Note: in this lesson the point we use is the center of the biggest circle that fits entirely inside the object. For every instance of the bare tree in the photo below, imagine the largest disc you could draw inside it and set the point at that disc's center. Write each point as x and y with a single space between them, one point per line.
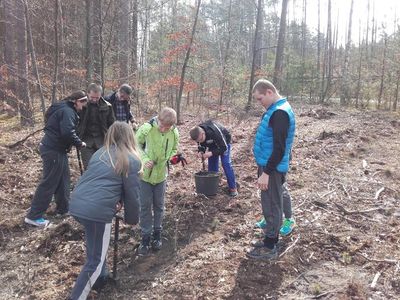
385 38
88 54
277 79
345 93
56 52
226 54
21 53
185 62
33 58
123 40
253 65
9 48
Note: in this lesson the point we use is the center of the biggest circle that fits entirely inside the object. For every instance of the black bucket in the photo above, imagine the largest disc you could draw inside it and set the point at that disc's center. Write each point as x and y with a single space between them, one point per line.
207 182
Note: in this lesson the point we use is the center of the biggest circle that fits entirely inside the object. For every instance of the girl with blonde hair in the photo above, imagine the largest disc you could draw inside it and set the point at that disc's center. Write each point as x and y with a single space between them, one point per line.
112 176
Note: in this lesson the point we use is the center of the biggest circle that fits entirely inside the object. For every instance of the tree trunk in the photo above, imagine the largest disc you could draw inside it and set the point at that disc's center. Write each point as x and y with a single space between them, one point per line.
345 93
226 54
187 56
259 41
22 66
97 43
123 41
327 63
33 58
253 65
9 49
277 79
360 53
396 95
56 54
319 47
88 43
303 47
382 71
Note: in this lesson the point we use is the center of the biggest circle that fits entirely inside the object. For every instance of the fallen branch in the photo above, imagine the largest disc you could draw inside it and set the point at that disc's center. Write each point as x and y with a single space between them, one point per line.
389 261
24 139
350 212
288 248
323 294
375 280
379 192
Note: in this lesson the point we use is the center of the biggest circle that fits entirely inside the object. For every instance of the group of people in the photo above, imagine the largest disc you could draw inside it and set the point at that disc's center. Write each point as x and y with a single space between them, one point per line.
129 169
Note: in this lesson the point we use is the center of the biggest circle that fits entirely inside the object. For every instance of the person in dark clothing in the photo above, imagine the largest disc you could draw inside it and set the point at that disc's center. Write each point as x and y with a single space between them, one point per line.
113 177
96 118
272 148
214 141
120 103
59 135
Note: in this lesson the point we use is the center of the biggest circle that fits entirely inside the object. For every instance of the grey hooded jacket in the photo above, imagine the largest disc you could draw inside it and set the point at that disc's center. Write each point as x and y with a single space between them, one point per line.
100 188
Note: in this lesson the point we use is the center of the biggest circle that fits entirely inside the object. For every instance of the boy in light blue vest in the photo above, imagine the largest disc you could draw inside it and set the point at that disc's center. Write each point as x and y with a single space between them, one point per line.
272 148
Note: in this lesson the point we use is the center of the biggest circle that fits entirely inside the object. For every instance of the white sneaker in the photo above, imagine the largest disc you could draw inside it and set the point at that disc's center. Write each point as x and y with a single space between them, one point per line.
38 222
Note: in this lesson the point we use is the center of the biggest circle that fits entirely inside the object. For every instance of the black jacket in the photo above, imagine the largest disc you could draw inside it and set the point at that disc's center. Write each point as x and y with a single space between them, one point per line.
106 116
112 98
217 137
60 129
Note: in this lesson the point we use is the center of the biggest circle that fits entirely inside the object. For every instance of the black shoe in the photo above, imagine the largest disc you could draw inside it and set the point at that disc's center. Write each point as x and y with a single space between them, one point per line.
101 282
144 247
263 253
156 244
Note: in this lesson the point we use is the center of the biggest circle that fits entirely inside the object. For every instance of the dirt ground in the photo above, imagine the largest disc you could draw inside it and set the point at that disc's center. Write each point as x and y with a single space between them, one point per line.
344 183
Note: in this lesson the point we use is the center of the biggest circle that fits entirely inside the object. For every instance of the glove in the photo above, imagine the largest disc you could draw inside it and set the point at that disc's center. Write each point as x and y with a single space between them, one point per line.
201 149
178 158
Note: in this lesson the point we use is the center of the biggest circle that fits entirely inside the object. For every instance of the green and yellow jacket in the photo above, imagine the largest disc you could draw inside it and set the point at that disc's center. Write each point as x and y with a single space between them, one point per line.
158 147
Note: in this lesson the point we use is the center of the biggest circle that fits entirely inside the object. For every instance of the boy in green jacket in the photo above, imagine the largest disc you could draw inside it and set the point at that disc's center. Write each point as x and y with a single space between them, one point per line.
158 140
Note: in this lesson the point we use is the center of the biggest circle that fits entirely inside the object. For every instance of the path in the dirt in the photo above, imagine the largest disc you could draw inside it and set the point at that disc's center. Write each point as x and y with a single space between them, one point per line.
346 234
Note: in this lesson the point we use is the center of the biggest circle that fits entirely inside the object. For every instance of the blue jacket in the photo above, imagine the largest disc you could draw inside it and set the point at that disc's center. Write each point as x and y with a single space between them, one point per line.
263 142
60 130
100 188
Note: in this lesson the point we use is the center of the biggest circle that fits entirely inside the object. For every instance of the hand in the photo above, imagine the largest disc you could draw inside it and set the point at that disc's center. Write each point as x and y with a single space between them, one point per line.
149 164
208 154
262 181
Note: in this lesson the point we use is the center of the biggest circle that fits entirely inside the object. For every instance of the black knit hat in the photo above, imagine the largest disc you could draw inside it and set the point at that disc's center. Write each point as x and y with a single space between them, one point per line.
126 88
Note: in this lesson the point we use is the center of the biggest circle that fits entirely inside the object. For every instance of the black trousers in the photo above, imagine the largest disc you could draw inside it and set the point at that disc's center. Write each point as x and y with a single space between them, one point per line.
55 181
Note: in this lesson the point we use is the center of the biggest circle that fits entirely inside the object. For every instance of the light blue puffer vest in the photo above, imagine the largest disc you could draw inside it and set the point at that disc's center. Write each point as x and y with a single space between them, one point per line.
263 142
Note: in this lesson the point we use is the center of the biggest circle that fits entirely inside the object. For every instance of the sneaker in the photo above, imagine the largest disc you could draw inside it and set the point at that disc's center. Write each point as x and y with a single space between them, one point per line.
38 222
263 253
144 247
233 192
261 224
157 242
101 282
287 227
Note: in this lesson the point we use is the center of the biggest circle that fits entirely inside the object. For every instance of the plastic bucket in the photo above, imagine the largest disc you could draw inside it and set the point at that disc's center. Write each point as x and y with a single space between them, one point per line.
207 182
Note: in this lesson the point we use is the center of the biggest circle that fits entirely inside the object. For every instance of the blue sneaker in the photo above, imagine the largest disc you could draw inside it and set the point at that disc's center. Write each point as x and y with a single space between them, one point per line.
38 222
261 224
287 227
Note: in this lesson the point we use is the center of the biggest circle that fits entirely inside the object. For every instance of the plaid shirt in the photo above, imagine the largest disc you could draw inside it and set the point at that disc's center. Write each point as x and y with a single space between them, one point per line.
120 114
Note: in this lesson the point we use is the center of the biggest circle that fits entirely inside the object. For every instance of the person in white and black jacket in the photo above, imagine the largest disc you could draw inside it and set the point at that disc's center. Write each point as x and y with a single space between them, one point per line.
214 141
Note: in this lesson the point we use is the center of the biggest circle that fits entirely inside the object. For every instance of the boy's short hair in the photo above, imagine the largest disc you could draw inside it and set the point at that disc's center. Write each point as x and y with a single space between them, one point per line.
93 87
262 85
126 88
195 133
167 116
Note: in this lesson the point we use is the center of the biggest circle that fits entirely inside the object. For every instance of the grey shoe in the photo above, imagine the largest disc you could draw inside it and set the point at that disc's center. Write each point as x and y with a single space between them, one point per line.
263 253
156 244
144 247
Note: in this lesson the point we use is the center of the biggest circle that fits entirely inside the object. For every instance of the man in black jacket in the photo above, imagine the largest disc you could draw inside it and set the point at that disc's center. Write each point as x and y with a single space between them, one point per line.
96 118
120 103
59 136
215 141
